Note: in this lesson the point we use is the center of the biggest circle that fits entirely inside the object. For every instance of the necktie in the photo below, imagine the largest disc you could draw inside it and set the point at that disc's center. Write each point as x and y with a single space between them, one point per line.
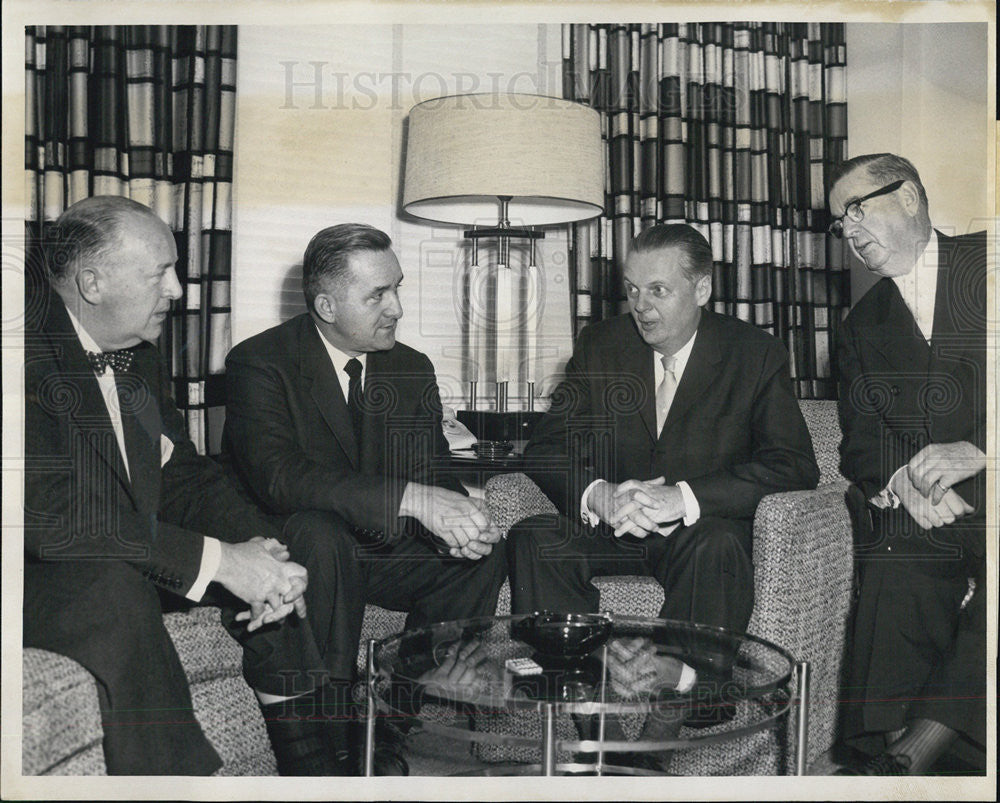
665 391
355 395
120 360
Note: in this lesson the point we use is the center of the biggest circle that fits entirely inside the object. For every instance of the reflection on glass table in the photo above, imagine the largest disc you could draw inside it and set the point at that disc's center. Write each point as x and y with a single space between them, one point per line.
516 676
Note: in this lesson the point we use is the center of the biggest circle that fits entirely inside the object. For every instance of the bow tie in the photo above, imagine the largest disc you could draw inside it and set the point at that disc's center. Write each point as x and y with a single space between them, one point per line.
120 360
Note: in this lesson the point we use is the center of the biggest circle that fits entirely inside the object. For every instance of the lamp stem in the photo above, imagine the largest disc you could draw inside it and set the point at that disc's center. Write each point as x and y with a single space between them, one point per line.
503 300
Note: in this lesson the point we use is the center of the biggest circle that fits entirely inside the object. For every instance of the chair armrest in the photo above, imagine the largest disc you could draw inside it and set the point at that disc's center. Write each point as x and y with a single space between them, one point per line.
511 498
803 554
61 720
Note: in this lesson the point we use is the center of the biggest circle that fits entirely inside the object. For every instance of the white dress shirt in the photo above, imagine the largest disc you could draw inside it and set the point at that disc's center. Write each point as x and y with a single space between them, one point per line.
340 360
211 553
919 287
919 291
692 510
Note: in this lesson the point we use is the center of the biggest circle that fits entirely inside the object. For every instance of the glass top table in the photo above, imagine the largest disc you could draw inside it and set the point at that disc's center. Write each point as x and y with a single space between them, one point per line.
591 668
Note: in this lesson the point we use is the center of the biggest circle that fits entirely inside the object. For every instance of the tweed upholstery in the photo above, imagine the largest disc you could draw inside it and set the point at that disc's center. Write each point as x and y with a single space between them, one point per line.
824 429
61 725
802 558
803 570
62 721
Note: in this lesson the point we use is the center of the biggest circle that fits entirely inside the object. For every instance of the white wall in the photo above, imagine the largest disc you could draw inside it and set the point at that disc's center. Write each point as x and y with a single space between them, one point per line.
920 90
311 154
315 154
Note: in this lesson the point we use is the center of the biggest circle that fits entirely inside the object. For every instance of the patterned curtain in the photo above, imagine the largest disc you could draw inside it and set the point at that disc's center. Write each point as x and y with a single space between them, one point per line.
146 112
731 127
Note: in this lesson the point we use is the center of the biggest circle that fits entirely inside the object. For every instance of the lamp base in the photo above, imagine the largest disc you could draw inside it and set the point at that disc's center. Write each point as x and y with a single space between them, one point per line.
492 426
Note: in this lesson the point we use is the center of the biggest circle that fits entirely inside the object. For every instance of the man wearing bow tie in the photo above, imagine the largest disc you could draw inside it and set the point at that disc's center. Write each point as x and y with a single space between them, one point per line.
119 507
912 359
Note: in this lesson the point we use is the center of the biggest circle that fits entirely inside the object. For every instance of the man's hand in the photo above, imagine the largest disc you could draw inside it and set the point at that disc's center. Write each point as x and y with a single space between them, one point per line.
464 672
925 512
653 501
460 521
258 572
615 506
604 501
635 668
938 466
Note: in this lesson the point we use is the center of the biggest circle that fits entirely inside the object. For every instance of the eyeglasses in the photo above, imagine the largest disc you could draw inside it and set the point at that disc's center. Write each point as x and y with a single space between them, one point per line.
854 210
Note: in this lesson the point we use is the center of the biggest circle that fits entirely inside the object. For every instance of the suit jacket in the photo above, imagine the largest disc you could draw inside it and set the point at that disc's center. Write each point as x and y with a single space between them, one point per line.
734 431
899 394
289 432
80 502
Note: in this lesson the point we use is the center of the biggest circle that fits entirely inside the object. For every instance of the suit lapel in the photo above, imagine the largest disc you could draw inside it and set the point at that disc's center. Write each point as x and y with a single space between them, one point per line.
637 360
895 334
960 303
698 373
326 390
91 413
379 387
142 425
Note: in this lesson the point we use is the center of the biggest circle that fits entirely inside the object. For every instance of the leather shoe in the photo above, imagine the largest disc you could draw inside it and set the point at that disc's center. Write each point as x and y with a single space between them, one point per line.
390 741
309 746
882 764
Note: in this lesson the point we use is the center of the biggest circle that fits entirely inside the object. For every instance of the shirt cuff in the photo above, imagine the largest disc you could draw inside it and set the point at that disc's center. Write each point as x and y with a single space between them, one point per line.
211 557
886 498
687 679
588 515
692 510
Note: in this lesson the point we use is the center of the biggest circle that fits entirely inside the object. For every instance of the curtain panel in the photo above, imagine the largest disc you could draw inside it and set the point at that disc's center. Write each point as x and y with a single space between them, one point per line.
146 112
732 128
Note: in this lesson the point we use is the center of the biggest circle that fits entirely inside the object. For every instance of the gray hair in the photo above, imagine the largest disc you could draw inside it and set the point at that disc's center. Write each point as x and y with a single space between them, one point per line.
87 231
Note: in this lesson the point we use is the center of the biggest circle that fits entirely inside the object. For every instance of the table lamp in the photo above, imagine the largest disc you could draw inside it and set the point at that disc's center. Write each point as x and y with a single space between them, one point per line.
530 159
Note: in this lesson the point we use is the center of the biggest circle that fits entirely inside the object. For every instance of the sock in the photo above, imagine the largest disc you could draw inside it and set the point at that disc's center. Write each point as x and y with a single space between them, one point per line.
922 744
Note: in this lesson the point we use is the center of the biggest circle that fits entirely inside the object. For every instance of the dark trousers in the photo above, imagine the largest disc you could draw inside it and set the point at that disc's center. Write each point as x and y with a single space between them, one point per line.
706 569
107 616
915 652
344 576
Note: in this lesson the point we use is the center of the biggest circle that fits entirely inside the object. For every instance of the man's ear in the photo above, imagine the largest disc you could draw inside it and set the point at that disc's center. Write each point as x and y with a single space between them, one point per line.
703 289
909 197
325 307
88 285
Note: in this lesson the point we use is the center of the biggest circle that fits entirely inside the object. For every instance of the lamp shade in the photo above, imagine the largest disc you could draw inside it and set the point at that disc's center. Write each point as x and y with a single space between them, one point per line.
463 151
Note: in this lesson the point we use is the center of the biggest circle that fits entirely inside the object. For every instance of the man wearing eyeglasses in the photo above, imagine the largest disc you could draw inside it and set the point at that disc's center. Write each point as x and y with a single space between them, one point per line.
912 390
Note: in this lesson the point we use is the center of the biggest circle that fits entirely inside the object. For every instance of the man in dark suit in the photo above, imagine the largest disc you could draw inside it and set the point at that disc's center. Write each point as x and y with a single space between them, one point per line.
119 506
670 425
912 359
327 415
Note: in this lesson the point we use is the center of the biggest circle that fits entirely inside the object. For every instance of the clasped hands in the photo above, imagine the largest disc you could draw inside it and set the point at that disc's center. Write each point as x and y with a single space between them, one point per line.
925 488
260 573
464 671
461 522
638 507
635 667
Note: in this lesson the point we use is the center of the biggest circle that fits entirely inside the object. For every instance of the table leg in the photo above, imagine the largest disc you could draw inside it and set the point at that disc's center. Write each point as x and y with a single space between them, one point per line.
549 739
601 716
801 756
370 714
